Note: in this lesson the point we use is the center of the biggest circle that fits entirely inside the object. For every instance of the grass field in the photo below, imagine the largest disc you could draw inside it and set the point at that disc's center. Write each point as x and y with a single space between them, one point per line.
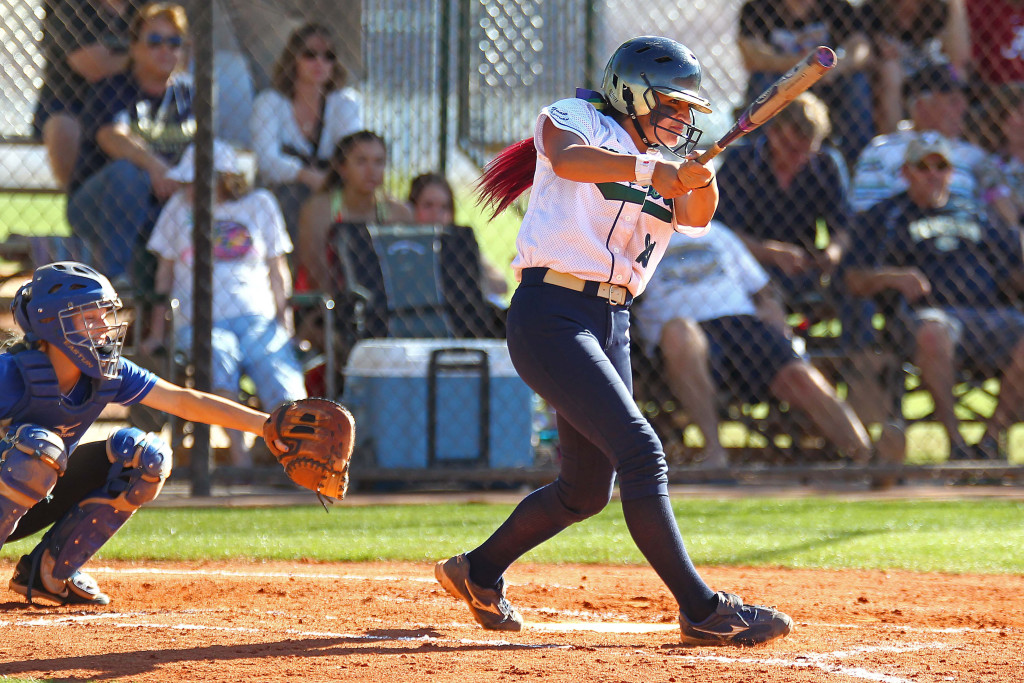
964 536
32 214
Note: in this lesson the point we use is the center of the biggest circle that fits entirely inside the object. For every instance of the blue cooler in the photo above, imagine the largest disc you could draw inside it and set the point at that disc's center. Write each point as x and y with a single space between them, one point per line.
422 403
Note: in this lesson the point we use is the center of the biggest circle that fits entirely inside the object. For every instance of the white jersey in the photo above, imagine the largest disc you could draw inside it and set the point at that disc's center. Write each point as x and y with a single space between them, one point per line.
613 232
878 173
247 232
702 279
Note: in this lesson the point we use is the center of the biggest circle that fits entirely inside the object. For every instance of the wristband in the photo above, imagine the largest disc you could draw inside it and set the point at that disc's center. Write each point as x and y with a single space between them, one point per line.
644 169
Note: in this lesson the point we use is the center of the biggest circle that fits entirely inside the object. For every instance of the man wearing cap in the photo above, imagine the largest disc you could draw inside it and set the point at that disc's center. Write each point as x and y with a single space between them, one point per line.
936 102
949 263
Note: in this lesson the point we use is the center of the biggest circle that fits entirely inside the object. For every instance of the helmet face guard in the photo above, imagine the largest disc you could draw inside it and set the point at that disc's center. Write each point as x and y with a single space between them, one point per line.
86 331
686 134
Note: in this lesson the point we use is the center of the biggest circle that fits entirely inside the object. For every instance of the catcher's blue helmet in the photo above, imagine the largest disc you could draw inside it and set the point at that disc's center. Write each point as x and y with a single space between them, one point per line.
68 304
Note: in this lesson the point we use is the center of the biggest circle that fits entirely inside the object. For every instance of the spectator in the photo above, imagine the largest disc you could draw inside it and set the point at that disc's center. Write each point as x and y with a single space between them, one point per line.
352 193
908 35
937 103
137 122
997 40
713 320
775 34
433 202
297 122
949 262
252 326
1005 108
84 42
777 190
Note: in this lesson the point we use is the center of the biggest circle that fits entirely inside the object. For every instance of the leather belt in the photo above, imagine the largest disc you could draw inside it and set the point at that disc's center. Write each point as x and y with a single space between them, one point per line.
615 294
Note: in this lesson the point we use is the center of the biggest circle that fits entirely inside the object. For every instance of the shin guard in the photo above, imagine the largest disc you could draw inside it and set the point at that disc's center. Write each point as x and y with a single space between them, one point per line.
140 463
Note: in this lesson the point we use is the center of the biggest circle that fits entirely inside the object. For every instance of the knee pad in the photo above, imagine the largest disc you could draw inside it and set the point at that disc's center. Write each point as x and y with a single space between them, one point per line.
139 465
31 460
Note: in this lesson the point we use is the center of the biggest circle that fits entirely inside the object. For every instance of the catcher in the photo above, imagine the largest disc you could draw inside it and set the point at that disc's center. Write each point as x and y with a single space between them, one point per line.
53 385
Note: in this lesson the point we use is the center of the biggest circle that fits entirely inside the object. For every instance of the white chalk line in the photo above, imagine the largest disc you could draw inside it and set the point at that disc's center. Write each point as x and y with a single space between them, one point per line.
36 622
825 661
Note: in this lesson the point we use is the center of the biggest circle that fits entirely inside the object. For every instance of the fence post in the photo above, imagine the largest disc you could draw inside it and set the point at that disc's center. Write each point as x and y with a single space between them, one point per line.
202 231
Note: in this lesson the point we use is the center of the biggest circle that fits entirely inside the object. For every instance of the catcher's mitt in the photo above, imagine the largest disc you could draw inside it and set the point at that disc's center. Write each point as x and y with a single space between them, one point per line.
312 438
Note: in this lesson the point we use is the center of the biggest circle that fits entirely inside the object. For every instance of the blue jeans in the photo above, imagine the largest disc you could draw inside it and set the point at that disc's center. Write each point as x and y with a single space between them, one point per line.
114 211
258 347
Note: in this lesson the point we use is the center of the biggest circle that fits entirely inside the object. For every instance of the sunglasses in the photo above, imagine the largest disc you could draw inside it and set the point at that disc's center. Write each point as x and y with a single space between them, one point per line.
941 165
314 54
155 40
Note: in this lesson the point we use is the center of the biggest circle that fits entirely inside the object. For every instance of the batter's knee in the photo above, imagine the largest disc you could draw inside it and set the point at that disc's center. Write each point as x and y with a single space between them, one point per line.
577 506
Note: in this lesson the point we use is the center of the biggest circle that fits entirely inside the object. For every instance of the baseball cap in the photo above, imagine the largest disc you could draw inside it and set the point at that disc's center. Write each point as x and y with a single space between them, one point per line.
225 160
935 78
925 145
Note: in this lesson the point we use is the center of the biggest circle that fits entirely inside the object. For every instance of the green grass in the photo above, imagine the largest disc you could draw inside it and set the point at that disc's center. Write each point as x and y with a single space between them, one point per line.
967 536
497 237
32 214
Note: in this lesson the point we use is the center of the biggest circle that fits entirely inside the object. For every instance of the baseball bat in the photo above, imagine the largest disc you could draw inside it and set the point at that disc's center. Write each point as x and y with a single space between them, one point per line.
802 76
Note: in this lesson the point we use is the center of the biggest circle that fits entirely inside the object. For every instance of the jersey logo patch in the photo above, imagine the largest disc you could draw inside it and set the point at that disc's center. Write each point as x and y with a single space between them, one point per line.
645 255
617 192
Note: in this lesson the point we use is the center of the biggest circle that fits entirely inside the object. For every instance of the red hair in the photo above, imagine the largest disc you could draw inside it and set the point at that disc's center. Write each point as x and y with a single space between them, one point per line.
507 176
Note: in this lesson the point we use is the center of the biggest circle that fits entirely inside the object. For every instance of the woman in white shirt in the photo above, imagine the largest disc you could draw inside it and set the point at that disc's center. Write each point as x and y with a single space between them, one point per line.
297 122
603 207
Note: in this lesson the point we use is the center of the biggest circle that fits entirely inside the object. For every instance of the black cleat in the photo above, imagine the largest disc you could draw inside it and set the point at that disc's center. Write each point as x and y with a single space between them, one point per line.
80 589
734 623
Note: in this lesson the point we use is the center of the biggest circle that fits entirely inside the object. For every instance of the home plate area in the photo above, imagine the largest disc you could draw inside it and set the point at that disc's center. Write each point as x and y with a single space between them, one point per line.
299 621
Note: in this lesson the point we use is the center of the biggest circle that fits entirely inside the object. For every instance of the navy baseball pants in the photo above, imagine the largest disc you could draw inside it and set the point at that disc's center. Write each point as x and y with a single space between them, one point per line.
573 350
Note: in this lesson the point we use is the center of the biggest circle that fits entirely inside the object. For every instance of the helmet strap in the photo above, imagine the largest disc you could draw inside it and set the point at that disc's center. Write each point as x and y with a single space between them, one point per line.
627 96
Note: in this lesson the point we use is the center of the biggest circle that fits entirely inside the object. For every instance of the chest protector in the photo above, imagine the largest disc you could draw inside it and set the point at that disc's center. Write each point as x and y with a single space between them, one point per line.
43 405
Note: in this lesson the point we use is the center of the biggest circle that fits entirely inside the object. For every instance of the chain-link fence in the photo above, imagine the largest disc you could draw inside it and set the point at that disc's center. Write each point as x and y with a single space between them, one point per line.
856 300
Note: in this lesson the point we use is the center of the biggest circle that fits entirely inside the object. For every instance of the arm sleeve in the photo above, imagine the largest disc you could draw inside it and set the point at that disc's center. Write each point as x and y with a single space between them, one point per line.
136 382
574 115
266 124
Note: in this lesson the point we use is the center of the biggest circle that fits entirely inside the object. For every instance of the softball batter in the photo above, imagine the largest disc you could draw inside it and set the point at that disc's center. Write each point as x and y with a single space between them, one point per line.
604 204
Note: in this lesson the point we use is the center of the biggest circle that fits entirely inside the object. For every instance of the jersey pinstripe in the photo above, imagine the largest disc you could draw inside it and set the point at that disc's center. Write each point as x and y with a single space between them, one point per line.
606 232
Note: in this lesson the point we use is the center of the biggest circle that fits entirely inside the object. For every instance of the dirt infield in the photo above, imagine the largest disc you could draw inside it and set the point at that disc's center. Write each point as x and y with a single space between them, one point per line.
306 622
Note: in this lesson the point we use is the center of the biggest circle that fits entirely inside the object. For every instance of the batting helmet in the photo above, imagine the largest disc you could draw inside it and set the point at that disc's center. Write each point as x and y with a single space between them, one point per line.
643 70
68 304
